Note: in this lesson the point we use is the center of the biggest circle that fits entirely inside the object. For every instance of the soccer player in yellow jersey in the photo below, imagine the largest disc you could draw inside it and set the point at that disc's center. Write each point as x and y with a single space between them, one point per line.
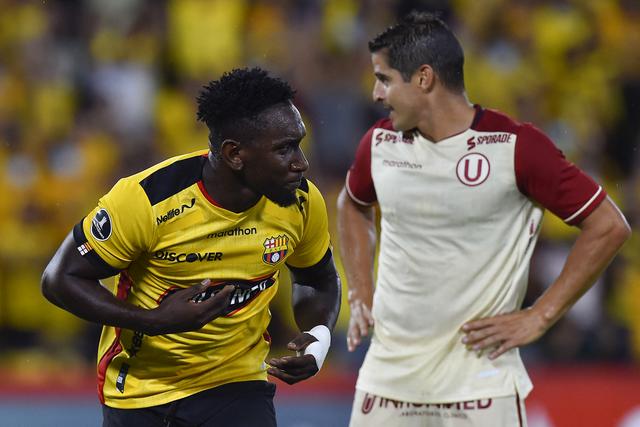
198 241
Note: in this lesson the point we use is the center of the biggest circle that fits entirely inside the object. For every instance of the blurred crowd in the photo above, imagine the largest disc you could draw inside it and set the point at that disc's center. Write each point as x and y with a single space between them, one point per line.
93 90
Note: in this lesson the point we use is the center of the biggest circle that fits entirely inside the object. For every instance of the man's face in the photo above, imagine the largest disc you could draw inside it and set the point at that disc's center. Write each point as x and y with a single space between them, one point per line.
273 161
395 94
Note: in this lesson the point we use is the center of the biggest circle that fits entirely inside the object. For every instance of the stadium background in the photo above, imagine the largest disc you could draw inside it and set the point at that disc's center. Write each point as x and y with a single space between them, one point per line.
94 90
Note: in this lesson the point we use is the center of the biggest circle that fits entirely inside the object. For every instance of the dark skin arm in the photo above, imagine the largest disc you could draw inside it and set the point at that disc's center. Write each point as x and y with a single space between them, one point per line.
602 234
72 283
357 231
316 301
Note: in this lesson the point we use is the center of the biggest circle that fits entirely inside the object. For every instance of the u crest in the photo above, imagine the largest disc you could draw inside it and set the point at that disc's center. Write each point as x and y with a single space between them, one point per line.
473 169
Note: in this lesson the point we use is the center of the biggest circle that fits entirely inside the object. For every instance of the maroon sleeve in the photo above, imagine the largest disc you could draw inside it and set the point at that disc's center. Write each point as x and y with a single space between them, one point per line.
359 182
545 176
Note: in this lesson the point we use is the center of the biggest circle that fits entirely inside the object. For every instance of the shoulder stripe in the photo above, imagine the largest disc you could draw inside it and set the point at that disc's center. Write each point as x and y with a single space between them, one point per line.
304 185
172 179
91 255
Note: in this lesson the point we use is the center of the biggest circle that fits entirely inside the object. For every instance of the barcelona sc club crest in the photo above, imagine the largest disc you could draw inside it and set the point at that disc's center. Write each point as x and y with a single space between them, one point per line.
275 249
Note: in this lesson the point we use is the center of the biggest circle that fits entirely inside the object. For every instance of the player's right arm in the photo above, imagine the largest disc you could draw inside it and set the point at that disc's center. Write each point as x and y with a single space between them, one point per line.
357 233
114 235
357 240
72 283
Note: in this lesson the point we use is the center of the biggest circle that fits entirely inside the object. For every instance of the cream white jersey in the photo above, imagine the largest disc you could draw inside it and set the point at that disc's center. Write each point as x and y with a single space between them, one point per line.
459 222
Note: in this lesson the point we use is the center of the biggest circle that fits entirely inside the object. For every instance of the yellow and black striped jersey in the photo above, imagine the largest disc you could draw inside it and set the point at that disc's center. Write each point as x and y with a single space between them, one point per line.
162 232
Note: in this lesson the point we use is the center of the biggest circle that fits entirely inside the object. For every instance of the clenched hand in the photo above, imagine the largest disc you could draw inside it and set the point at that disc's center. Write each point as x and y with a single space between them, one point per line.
292 369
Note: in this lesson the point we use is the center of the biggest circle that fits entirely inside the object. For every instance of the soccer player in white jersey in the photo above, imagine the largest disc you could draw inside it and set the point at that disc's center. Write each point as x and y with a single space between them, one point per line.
461 191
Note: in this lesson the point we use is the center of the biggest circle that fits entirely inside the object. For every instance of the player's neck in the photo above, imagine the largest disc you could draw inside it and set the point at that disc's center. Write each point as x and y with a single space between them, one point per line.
226 190
445 116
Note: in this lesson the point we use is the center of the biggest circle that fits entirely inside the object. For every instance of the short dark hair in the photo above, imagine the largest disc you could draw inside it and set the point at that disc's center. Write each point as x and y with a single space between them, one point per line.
423 38
231 105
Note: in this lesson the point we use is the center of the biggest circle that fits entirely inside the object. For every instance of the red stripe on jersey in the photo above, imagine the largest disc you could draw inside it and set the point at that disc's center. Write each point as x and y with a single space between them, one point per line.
359 182
124 286
207 195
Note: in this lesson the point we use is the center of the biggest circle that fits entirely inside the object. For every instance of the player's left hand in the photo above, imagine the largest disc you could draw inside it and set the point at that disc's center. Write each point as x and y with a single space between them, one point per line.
503 332
292 369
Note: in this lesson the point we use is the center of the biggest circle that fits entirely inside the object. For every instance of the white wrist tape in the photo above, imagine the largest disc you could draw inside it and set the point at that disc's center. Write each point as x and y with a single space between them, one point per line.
320 348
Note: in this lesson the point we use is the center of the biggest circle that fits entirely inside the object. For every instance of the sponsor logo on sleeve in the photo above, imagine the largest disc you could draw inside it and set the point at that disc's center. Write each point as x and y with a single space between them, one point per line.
101 225
275 249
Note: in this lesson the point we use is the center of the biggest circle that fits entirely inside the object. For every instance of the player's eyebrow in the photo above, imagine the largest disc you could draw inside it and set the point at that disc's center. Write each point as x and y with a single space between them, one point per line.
286 141
380 76
290 138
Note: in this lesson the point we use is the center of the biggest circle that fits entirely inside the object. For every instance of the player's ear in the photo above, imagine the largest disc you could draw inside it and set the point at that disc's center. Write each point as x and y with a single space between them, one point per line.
425 77
230 153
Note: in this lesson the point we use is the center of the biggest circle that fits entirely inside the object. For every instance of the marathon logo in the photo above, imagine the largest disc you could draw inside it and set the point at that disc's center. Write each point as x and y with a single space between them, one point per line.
191 257
401 164
234 232
172 213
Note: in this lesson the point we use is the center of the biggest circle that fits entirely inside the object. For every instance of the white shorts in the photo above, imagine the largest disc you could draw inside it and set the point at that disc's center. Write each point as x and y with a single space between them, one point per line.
370 410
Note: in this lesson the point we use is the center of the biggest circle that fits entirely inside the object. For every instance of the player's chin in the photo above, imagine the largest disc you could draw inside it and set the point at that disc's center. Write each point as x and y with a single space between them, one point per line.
399 122
285 197
399 125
